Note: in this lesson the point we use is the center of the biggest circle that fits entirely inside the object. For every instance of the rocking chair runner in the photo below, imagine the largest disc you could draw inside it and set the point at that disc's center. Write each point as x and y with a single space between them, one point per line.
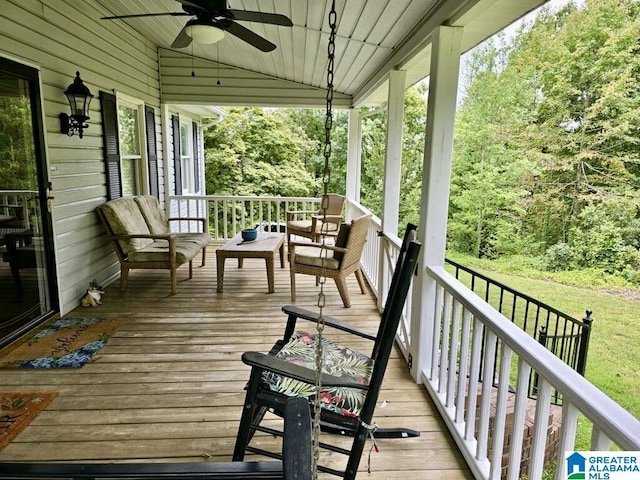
348 400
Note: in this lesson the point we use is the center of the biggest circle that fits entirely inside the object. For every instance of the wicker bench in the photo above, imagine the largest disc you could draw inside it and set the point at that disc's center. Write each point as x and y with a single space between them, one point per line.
142 239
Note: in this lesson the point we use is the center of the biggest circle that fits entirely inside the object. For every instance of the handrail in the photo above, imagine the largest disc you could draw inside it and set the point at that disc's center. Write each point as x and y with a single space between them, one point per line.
446 379
19 199
229 214
567 337
502 286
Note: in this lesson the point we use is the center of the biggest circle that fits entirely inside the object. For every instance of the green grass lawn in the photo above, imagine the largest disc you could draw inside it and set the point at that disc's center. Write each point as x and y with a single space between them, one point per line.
613 362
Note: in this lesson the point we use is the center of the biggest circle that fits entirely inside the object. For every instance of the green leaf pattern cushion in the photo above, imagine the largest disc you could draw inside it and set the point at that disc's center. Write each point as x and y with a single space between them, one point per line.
337 360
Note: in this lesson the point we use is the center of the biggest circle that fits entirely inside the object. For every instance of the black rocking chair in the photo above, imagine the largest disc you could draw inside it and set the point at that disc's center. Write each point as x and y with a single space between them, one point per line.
349 395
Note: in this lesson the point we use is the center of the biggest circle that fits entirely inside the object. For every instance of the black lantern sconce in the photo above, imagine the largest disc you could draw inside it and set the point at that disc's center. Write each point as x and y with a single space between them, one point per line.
79 98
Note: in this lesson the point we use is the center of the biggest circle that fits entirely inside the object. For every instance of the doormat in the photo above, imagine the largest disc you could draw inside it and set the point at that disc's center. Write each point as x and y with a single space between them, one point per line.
18 409
68 342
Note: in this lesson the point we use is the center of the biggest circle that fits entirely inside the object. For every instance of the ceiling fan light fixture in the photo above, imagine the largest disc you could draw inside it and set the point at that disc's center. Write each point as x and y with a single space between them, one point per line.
206 34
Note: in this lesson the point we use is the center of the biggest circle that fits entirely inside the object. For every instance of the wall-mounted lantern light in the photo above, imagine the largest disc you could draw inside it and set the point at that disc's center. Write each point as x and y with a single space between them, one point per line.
79 98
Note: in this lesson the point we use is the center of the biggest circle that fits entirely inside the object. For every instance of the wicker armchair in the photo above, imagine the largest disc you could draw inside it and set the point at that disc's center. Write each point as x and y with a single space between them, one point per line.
337 261
315 223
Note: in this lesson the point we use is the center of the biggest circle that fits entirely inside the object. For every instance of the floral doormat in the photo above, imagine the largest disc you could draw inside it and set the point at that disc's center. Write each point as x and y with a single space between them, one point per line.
68 342
18 409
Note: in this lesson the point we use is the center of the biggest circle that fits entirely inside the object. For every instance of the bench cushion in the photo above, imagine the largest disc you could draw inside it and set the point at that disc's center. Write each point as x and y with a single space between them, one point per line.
153 214
158 251
125 218
201 239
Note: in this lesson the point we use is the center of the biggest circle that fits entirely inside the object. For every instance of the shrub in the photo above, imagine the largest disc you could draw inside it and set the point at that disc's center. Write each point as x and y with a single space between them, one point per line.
559 257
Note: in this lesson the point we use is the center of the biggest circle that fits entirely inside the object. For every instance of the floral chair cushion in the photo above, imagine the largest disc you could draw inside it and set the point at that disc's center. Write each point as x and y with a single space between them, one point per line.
338 361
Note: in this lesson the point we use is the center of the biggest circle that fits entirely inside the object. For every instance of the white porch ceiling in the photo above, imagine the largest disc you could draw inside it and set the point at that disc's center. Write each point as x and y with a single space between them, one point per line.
373 36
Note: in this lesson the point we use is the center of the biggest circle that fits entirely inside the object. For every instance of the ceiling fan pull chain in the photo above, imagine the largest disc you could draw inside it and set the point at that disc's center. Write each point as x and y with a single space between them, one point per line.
193 73
218 63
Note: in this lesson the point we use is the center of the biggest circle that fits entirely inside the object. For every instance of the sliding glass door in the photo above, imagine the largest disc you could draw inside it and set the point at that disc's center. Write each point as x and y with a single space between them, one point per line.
27 270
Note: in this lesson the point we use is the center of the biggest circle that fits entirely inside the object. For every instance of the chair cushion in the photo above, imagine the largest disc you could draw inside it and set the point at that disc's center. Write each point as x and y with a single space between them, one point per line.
338 361
313 256
158 251
153 214
300 225
125 218
341 240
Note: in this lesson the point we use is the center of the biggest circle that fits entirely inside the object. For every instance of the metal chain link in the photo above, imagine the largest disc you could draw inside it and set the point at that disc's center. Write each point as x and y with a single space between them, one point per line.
328 124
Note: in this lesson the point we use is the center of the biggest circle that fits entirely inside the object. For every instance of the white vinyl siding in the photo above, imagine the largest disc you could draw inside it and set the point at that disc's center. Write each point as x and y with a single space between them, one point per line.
61 37
252 88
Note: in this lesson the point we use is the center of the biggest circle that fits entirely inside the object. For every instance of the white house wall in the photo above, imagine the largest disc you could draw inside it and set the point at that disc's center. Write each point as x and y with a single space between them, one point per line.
60 37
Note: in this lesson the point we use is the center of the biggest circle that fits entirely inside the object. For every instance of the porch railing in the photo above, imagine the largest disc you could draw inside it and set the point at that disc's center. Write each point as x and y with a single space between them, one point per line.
565 336
480 415
228 215
19 203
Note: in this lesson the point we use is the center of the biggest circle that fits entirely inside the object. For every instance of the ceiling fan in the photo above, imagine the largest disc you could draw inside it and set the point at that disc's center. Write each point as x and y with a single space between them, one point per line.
211 18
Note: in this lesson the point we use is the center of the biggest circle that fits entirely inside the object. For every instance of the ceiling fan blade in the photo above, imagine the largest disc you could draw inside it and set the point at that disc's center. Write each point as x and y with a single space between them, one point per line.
205 5
261 17
248 36
136 15
182 40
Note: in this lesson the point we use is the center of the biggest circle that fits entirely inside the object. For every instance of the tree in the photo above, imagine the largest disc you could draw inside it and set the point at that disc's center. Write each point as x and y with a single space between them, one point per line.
313 123
547 139
585 66
488 195
17 167
373 156
257 152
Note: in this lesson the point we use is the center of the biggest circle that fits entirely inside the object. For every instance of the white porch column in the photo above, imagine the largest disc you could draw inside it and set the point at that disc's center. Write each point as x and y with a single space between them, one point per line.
354 155
436 176
393 152
391 179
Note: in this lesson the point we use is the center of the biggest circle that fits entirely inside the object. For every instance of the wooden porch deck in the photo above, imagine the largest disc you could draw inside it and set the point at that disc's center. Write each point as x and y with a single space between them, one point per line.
168 387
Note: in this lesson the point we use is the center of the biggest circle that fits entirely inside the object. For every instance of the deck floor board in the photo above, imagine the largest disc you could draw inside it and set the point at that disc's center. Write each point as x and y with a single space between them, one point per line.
169 384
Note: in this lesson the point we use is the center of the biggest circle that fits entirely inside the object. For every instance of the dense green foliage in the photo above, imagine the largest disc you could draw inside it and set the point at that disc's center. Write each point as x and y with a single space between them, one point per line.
273 153
17 168
546 145
373 155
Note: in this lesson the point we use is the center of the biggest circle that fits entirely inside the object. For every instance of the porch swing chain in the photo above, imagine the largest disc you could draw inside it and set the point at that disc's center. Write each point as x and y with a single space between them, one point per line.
324 251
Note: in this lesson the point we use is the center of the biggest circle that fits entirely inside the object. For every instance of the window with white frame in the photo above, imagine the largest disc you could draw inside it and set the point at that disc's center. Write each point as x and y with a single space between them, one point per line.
186 156
131 134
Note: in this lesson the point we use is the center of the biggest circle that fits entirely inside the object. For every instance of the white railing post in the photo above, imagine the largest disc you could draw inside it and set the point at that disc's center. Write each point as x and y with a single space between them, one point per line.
354 156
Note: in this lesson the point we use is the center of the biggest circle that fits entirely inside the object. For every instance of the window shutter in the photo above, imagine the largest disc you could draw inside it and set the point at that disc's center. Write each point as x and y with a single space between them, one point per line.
177 161
152 152
196 157
111 144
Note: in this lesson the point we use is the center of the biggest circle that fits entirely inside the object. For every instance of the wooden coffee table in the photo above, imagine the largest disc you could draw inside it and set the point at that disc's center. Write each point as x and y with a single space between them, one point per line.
265 246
